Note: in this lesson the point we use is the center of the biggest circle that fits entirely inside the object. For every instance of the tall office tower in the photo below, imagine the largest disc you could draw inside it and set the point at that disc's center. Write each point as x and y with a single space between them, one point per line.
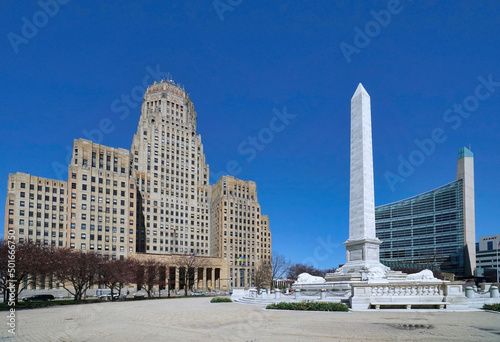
35 209
465 171
240 234
172 176
101 200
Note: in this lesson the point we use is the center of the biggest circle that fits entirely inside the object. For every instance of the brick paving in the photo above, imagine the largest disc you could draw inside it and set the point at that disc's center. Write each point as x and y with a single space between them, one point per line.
195 319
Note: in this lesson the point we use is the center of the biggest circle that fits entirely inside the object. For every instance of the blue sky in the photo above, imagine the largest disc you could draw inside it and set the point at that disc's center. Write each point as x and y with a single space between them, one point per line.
244 61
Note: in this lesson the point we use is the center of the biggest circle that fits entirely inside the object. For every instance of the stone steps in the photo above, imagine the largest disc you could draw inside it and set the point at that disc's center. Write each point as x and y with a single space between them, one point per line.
255 301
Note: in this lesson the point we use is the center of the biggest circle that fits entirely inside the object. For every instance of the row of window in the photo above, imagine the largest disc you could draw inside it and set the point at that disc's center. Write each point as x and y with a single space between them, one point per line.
39 188
22 222
99 247
39 233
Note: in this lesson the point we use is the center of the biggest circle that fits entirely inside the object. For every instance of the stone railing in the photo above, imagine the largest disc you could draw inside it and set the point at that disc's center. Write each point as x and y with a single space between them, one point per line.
406 290
367 294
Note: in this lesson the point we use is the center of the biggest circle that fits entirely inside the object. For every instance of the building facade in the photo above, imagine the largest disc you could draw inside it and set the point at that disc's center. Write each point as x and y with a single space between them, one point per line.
36 209
172 176
152 200
240 233
487 257
436 228
101 200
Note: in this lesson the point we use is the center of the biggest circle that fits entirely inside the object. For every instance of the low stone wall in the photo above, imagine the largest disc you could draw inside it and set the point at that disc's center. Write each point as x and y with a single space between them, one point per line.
365 294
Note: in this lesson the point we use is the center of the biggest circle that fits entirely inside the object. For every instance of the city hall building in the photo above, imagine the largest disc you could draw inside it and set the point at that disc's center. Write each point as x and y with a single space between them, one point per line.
154 199
436 228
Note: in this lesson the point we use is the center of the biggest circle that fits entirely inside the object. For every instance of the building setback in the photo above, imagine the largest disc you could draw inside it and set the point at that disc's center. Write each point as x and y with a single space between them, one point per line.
240 234
152 200
172 176
434 228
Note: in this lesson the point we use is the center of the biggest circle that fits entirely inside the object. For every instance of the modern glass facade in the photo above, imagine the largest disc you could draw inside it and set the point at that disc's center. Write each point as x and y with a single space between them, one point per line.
425 229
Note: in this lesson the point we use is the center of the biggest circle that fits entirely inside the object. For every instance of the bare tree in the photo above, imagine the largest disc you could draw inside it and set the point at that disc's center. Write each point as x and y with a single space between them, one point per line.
147 274
279 266
262 277
19 263
76 270
296 269
114 274
190 265
328 270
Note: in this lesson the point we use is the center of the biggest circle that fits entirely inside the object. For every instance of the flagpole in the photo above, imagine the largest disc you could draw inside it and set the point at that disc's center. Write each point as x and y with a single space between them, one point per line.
497 261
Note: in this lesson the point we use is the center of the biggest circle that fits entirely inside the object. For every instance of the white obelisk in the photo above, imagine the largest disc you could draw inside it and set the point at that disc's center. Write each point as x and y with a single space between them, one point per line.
362 247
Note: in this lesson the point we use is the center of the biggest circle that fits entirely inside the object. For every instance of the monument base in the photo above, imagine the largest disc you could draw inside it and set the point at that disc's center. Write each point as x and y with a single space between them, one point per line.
362 262
394 290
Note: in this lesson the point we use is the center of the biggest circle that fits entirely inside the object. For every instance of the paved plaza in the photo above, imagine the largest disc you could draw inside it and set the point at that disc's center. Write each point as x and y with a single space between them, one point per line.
195 319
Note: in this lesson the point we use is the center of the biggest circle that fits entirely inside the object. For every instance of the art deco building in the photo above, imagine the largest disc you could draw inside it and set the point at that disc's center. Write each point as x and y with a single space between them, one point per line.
154 200
240 233
36 209
436 228
171 173
101 200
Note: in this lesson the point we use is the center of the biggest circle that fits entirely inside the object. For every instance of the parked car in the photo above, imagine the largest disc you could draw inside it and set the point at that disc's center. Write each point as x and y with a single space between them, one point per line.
105 294
41 297
108 296
140 295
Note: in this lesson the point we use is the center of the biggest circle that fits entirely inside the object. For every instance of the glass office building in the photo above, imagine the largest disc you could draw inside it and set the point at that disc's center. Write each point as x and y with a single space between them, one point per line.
425 229
435 228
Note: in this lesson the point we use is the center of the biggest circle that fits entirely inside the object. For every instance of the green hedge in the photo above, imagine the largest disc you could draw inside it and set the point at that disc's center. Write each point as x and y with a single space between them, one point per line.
492 307
221 300
311 306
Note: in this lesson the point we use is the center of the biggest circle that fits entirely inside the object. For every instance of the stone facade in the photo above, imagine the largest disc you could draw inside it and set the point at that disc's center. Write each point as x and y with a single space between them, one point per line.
36 209
172 176
101 200
240 233
210 272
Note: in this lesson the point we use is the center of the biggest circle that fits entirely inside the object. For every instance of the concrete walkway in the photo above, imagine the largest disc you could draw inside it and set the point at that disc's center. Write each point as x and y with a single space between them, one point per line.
195 319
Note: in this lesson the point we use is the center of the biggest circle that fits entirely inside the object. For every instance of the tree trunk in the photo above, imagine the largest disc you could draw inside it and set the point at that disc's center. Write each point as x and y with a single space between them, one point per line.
16 289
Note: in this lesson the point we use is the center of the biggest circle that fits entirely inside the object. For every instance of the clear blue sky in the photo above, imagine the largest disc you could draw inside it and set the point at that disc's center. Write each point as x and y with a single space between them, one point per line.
418 65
